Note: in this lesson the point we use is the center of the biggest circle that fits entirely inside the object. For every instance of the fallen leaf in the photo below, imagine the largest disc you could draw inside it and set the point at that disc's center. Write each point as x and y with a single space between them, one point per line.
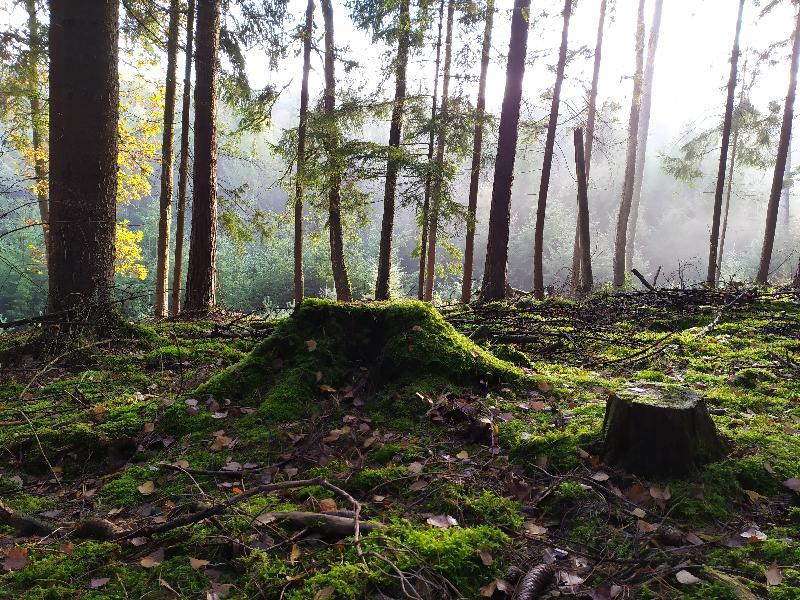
660 493
754 496
98 582
645 527
67 548
197 563
327 505
694 539
570 578
311 345
486 558
16 558
149 427
181 464
147 488
753 535
534 528
686 578
600 476
463 455
793 484
153 559
419 484
295 554
218 591
638 512
774 575
545 386
326 592
441 521
415 467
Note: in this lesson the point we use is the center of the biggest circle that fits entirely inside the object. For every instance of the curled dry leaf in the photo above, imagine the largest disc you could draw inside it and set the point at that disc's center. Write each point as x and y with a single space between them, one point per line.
534 528
658 493
415 467
311 345
486 557
16 558
98 582
326 592
294 554
686 578
442 521
600 476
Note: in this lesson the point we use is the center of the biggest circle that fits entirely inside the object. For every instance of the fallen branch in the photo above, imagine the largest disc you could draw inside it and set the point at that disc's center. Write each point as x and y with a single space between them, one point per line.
327 522
644 281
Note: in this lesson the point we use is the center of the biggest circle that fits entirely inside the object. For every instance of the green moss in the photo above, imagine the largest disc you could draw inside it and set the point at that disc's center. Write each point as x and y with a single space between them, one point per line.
368 479
16 499
710 498
123 491
495 510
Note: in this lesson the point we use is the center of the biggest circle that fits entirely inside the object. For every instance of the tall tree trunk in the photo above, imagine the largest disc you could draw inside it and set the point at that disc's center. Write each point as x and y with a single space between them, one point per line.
494 272
712 274
84 112
644 131
591 117
734 148
393 161
587 280
183 168
787 187
340 280
423 247
630 158
549 145
477 147
299 278
39 162
780 162
165 198
438 175
201 276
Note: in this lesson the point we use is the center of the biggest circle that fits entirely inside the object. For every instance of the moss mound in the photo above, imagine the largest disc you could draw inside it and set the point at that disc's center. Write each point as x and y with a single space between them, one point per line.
325 346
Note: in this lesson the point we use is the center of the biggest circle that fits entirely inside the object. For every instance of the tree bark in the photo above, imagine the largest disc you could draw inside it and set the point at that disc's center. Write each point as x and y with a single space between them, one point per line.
423 248
393 161
620 241
780 162
494 273
37 135
84 111
338 266
644 130
659 431
183 168
723 233
201 277
550 140
299 278
587 280
787 187
713 274
165 197
438 175
591 117
477 148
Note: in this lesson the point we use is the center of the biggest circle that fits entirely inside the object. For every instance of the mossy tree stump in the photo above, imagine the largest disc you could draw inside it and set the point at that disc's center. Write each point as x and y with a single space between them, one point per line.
659 431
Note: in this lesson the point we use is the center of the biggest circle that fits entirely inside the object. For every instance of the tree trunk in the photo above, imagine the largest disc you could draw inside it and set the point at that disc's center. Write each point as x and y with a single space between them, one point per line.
587 280
591 117
630 158
438 175
780 162
338 266
84 111
183 168
165 198
644 130
659 431
201 277
299 279
544 185
423 248
37 134
734 148
713 274
393 161
494 273
787 186
477 147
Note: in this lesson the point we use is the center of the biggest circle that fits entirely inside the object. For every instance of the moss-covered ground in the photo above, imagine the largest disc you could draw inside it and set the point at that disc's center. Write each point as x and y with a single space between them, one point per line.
477 452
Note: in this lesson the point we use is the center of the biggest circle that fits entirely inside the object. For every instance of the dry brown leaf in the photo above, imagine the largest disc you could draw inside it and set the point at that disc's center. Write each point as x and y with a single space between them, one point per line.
147 488
658 493
534 528
311 345
486 557
295 554
16 558
686 578
773 574
600 476
419 484
441 521
415 467
153 559
793 484
463 455
545 386
326 592
327 505
98 582
197 563
645 527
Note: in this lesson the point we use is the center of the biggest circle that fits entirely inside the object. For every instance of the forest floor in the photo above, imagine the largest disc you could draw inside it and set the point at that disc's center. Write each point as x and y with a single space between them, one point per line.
233 457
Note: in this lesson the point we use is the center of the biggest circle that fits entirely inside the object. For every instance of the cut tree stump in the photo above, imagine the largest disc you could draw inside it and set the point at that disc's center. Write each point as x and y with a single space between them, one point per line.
659 431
